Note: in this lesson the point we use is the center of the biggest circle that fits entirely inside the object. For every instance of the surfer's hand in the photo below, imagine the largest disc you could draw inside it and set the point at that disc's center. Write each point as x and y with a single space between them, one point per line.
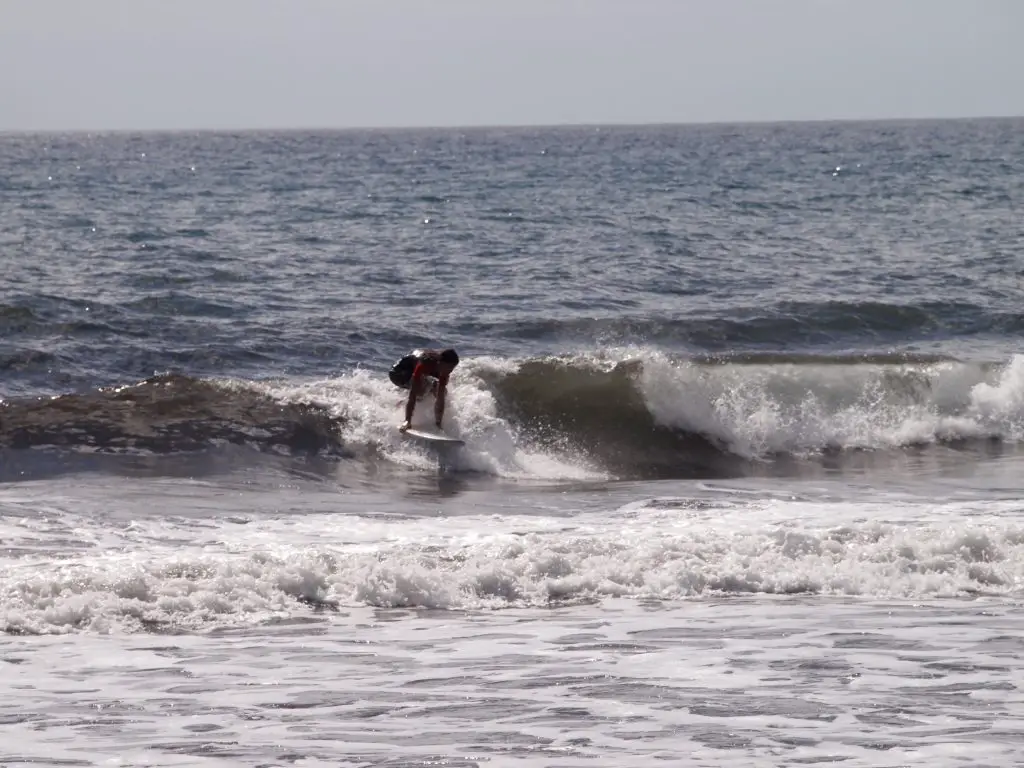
405 426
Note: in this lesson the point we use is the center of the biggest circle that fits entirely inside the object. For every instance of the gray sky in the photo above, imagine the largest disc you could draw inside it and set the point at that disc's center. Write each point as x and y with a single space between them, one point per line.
174 64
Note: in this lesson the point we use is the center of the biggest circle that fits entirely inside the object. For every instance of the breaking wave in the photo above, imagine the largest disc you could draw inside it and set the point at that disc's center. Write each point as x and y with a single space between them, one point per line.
759 407
631 413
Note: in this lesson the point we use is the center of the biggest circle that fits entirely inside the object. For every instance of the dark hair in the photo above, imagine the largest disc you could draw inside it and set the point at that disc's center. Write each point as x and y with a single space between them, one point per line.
449 356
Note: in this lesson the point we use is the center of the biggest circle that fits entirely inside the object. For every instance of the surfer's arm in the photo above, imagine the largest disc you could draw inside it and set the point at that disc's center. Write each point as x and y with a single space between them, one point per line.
442 390
410 404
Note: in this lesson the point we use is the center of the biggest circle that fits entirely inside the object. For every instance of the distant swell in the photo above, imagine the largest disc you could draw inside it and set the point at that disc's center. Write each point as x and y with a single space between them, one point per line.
779 326
166 414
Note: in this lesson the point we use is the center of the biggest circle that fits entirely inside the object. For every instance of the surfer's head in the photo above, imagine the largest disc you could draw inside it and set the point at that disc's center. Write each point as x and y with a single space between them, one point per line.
448 359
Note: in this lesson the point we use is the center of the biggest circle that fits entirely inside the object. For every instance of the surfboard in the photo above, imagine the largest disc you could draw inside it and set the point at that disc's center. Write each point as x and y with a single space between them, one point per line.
431 436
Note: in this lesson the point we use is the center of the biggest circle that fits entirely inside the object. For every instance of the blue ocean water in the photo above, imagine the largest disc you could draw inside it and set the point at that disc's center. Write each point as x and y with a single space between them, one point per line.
743 407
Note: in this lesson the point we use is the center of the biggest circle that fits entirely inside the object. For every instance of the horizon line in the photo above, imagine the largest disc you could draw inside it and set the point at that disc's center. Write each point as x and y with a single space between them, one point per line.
506 126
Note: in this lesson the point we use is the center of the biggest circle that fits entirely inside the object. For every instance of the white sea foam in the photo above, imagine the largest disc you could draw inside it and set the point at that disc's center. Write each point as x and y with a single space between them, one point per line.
665 550
801 408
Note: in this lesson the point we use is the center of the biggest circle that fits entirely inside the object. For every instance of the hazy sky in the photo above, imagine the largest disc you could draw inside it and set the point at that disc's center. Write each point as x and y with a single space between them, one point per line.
169 64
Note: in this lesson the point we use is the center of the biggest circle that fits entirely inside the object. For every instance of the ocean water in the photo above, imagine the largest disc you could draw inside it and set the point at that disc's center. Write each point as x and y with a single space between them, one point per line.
743 481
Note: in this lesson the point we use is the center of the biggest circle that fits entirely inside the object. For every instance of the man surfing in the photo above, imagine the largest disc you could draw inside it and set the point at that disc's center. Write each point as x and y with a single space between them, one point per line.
421 371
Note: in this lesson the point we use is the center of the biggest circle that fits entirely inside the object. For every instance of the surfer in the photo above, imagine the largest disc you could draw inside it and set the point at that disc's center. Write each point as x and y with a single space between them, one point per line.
421 371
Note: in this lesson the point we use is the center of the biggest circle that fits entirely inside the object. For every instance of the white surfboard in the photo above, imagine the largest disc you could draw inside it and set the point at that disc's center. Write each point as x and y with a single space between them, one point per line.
433 436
